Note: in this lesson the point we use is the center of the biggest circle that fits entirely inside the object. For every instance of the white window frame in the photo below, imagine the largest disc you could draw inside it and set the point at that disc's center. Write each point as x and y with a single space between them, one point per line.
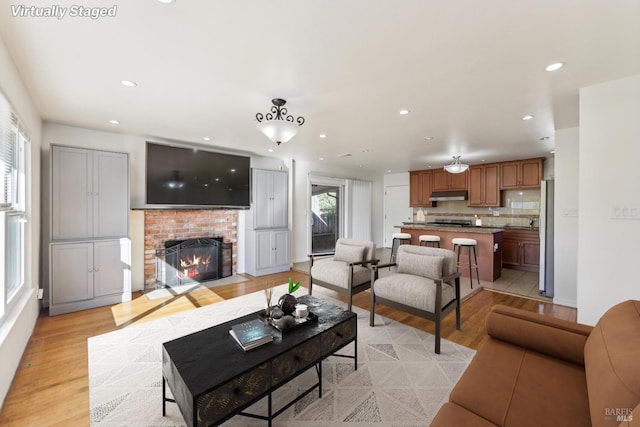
13 212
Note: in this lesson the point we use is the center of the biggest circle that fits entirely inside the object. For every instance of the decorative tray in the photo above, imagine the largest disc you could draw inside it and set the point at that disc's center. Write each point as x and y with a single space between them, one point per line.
311 318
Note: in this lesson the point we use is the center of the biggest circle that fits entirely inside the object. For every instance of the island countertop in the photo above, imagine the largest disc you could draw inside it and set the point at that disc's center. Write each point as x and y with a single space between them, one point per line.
430 227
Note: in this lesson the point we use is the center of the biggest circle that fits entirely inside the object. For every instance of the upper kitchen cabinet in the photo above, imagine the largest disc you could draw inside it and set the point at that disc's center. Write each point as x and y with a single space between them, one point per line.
521 174
446 181
420 187
269 199
484 186
90 194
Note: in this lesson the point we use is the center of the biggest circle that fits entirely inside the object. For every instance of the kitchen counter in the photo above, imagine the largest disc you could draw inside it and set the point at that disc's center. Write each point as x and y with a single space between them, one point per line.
470 229
488 249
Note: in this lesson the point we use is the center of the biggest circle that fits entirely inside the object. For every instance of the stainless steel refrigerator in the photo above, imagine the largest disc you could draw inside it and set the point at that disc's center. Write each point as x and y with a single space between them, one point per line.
546 237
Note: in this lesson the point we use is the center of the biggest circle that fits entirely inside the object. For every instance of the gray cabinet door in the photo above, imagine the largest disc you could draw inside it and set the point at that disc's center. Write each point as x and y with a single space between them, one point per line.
279 214
281 245
110 267
111 194
264 249
71 272
72 193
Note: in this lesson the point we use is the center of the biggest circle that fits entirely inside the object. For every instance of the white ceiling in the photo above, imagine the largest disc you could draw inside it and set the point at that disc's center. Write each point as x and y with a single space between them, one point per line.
467 70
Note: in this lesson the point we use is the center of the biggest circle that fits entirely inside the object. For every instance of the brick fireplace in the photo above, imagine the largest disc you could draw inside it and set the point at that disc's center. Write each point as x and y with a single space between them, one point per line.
163 225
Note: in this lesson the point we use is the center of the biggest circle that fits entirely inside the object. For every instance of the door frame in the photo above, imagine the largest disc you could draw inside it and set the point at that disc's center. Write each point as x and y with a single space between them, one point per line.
333 182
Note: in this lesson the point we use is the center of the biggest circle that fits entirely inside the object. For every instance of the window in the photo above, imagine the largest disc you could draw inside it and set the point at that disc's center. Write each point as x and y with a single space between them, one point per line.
13 196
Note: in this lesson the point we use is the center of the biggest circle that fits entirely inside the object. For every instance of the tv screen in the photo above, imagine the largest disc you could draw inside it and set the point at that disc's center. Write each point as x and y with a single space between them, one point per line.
184 177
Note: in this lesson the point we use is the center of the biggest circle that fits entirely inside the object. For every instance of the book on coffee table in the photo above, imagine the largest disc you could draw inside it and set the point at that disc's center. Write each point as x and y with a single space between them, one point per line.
251 334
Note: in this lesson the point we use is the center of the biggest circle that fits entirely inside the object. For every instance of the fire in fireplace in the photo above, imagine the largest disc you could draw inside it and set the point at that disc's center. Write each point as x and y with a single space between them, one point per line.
192 260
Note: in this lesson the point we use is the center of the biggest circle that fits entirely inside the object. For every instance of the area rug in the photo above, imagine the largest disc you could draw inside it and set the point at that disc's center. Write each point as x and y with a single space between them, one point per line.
400 381
183 289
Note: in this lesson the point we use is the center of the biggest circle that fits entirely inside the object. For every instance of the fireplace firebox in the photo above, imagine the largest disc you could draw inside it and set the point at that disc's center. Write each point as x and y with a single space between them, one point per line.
193 260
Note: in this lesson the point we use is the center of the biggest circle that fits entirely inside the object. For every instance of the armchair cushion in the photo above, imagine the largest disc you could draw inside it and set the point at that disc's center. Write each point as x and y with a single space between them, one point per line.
349 253
420 265
414 291
338 272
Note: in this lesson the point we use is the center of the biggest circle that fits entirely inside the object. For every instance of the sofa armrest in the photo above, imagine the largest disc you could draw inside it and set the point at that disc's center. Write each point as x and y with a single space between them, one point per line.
555 337
367 261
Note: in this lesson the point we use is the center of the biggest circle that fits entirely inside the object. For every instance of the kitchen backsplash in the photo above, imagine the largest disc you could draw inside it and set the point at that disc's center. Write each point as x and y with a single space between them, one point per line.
517 207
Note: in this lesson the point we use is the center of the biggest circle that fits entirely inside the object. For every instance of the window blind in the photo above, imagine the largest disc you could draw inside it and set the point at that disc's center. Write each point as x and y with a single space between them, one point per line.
7 153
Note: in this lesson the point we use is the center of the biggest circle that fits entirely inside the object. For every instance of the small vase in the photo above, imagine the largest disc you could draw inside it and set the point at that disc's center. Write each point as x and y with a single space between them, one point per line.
287 303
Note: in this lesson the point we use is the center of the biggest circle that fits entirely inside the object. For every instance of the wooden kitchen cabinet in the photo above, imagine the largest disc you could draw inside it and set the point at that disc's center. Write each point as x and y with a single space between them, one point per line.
446 181
420 188
521 174
484 185
521 250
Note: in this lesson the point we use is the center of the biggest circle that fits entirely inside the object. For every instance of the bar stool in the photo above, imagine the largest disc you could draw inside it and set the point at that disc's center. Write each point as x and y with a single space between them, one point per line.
429 240
462 242
398 239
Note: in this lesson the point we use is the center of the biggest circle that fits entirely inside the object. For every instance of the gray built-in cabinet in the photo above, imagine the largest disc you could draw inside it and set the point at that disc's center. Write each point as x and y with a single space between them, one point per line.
89 250
267 233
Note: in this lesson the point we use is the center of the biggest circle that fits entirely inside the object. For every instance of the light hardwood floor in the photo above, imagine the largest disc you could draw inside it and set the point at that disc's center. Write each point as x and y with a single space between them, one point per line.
51 386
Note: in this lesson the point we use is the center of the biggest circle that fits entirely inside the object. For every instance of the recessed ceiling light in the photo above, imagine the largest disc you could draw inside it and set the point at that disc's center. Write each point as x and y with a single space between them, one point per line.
321 158
544 138
388 170
114 122
403 112
555 66
428 138
323 135
527 117
166 1
271 150
128 83
206 138
552 151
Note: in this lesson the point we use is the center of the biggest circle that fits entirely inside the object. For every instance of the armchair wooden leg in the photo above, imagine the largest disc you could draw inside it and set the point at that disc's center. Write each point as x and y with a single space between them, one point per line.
310 285
437 350
372 308
350 302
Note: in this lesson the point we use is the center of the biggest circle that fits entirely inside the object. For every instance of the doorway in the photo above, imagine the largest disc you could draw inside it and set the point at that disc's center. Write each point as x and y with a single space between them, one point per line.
326 211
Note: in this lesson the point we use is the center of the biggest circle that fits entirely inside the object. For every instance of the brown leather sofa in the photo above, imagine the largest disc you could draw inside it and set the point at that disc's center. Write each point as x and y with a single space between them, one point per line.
535 370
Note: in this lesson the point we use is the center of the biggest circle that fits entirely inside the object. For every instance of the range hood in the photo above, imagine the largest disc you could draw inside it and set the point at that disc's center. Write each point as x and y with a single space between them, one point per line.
447 196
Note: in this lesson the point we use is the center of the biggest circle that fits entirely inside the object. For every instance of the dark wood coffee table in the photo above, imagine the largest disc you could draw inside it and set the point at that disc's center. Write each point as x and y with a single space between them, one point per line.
212 379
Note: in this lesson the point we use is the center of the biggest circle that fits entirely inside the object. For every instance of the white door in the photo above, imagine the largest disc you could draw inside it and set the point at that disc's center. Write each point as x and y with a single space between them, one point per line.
396 210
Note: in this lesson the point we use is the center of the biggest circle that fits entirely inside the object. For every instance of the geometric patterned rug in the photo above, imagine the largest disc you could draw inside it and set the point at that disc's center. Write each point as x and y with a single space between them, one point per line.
400 381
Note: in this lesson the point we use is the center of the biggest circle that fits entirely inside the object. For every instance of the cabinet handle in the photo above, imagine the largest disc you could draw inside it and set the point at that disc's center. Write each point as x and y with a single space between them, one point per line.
90 270
96 269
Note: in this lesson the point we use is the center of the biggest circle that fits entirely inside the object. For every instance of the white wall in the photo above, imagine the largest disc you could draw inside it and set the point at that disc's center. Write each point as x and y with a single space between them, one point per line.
566 217
18 325
609 155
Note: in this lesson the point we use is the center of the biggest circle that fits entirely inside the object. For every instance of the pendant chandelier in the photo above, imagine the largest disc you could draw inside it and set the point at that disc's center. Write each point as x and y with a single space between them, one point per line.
277 124
456 166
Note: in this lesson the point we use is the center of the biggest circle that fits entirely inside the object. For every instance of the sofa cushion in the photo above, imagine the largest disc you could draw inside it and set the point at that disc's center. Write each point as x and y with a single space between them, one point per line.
349 253
451 414
421 265
511 386
416 291
612 363
337 273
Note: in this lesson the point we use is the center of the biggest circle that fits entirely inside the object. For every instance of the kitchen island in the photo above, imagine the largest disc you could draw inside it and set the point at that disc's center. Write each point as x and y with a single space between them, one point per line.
489 249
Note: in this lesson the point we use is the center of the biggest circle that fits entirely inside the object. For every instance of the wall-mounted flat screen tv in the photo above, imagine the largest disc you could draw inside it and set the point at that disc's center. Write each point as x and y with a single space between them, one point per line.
187 177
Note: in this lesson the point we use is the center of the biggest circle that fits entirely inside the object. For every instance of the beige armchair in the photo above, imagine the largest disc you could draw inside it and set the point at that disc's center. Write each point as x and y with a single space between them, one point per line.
348 271
424 283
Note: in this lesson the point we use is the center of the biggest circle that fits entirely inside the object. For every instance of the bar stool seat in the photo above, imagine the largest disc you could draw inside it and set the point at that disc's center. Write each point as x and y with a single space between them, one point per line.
398 239
463 242
429 240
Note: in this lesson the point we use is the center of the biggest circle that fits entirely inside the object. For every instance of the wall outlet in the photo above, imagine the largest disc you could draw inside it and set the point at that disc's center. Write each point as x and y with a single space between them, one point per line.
625 212
496 213
40 293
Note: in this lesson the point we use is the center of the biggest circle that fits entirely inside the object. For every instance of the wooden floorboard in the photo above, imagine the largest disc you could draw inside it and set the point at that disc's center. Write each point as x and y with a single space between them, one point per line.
51 385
